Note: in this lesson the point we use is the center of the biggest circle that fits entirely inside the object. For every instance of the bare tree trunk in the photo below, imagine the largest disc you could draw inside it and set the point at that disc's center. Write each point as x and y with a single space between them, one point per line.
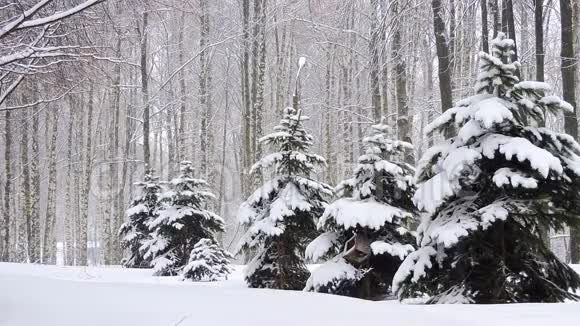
247 110
403 118
484 30
376 28
452 34
49 241
145 86
329 135
25 226
281 48
524 40
84 209
181 149
69 222
6 252
443 56
204 90
496 17
258 76
512 31
34 249
568 67
539 31
114 249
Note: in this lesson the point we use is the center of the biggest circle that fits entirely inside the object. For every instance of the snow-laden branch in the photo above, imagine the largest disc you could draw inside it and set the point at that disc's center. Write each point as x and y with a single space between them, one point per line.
12 26
25 19
10 89
59 15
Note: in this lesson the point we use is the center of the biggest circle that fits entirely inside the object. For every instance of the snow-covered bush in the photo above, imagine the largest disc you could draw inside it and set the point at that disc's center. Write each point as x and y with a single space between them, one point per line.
489 192
280 215
374 211
207 262
135 232
182 221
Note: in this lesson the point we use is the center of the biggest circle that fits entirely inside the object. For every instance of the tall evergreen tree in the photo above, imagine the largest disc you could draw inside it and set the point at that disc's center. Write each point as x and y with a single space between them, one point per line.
281 215
182 221
366 229
135 232
490 191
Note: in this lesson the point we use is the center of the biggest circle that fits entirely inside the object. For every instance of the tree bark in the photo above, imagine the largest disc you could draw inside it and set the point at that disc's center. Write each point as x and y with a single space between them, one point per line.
568 68
145 87
404 121
444 70
205 88
484 29
49 241
512 31
6 250
374 64
35 249
69 222
247 110
25 225
539 31
87 160
496 17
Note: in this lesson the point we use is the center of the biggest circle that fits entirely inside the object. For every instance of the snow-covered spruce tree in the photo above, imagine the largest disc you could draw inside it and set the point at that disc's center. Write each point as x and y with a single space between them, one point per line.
281 215
135 232
207 262
489 191
374 210
181 222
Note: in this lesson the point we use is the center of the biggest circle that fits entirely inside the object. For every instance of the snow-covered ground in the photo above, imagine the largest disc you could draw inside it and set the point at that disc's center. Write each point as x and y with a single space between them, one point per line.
71 296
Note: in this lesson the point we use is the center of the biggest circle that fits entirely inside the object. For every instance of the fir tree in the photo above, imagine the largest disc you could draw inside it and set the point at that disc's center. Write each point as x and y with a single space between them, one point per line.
135 232
490 191
373 212
181 222
280 215
207 262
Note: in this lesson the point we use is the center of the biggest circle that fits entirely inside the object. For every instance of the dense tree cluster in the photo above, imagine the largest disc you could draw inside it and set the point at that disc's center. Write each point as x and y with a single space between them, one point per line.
96 94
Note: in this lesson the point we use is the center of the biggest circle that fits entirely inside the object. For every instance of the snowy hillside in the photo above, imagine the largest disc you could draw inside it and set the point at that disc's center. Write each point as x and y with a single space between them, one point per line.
70 296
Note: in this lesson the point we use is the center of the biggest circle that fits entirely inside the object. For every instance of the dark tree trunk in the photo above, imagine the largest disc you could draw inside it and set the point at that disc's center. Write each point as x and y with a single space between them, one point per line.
7 187
539 31
496 17
484 30
247 110
145 88
512 30
403 118
374 64
568 67
443 56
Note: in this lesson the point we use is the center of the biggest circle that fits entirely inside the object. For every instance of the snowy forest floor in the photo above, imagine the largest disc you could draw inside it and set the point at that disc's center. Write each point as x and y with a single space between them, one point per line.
53 295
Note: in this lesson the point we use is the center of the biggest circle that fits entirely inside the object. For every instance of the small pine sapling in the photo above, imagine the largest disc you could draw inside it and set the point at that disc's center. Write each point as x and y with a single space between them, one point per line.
207 262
